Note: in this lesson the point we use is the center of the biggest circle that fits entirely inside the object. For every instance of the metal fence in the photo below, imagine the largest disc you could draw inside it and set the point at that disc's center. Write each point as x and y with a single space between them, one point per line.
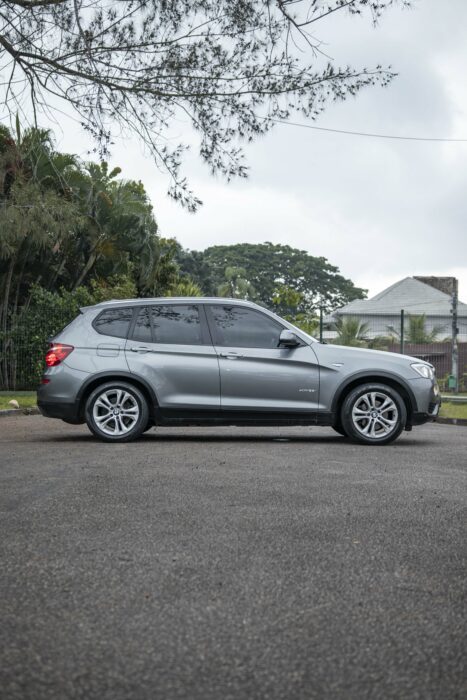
429 338
23 343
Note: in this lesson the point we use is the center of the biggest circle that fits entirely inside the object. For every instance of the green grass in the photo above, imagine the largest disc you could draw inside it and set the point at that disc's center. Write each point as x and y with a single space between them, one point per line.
453 410
26 399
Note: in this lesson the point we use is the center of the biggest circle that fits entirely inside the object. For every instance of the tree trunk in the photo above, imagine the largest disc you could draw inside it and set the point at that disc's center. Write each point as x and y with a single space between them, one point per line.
86 269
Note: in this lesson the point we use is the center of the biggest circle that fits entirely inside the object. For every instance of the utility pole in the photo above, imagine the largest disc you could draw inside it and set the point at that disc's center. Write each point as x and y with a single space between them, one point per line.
401 350
455 331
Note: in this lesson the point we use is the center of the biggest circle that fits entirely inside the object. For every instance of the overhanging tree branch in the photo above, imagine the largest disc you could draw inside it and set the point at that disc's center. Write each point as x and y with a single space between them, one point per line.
223 64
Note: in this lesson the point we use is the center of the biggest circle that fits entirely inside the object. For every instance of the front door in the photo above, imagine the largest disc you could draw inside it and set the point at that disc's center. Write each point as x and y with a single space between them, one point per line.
256 374
170 347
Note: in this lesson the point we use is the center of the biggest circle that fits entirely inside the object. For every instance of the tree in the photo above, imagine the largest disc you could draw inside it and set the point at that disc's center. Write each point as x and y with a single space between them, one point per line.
36 215
269 265
228 66
194 265
236 285
351 331
416 332
64 223
290 301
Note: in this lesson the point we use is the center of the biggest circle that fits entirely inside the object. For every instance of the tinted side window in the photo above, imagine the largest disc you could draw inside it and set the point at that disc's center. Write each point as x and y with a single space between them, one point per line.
237 326
114 322
142 330
177 324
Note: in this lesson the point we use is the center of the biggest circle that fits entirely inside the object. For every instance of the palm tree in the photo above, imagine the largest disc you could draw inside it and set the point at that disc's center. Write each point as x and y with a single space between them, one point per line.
35 216
351 331
416 332
185 288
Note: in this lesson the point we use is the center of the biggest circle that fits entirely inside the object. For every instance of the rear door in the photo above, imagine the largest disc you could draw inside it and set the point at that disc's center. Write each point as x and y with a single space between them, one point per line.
256 374
170 346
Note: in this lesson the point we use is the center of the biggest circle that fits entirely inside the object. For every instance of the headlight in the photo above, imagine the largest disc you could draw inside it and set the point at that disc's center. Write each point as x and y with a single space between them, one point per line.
424 370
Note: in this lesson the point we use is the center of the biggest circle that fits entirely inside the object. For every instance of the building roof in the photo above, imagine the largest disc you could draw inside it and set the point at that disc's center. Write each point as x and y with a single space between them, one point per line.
410 294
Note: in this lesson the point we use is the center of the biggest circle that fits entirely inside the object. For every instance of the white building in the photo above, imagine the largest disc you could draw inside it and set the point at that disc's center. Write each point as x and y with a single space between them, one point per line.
415 297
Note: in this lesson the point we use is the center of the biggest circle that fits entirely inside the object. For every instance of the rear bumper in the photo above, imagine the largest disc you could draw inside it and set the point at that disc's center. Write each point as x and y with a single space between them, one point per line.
65 411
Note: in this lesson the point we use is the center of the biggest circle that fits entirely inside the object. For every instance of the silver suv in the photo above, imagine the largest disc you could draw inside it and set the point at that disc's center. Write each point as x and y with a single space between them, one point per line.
124 366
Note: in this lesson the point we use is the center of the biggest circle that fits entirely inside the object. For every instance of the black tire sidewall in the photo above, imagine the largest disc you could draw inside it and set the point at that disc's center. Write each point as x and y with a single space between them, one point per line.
141 423
339 429
354 395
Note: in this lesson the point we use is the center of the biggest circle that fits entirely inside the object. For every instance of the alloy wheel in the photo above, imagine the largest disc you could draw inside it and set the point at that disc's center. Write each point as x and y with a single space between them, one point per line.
375 415
115 412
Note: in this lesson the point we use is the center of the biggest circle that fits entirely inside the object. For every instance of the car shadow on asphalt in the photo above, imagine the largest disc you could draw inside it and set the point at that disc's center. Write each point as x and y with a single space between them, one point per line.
315 439
157 437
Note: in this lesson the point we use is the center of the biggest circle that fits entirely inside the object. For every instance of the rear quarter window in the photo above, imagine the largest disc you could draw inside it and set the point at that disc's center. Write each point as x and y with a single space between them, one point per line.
114 322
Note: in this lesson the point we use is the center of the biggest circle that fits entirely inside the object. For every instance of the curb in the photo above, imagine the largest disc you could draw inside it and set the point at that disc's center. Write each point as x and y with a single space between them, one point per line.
33 411
452 421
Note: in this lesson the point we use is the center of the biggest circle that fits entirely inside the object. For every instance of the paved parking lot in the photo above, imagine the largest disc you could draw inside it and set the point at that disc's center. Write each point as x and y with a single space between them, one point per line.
226 564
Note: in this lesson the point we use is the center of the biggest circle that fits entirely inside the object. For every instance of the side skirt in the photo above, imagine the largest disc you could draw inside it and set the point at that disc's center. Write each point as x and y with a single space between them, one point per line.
182 417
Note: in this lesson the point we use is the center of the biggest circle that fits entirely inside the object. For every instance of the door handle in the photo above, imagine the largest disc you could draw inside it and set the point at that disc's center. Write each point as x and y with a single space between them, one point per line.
230 355
140 348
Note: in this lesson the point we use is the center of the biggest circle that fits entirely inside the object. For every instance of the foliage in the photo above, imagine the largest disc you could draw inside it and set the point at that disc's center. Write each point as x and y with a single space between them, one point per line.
66 223
236 285
23 344
289 301
227 66
351 331
269 267
415 330
185 288
114 287
194 265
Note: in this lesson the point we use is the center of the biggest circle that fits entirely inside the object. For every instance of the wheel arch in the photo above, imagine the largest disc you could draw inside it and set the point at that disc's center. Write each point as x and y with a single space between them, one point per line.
104 377
381 378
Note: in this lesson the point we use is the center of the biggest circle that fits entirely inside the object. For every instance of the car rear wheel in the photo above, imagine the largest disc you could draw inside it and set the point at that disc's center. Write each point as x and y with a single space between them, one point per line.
374 414
117 412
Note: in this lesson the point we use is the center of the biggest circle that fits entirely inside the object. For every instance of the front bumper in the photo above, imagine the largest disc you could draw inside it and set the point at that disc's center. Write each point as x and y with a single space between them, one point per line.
432 410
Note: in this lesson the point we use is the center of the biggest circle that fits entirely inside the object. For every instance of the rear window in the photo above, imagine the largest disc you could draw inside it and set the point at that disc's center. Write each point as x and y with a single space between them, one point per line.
115 322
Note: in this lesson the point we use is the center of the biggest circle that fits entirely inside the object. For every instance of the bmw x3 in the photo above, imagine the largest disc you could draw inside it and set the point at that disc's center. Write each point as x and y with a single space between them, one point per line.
125 366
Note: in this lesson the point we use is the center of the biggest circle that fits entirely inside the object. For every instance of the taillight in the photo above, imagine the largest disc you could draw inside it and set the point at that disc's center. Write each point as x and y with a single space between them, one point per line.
57 354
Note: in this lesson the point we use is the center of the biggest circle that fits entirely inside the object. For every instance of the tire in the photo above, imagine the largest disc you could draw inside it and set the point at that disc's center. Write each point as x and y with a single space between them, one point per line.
117 412
339 429
373 414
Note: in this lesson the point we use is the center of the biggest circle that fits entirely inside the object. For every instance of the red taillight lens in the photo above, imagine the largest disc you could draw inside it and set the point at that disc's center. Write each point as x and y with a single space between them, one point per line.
57 354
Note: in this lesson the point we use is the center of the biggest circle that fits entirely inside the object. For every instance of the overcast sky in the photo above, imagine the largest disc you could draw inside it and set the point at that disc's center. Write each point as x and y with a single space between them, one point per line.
379 209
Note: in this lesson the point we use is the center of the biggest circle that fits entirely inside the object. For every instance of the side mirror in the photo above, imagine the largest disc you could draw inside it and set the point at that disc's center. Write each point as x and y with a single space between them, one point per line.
287 339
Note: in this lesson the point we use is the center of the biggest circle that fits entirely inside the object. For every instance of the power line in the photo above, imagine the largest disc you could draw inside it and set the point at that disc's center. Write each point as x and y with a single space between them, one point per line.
363 133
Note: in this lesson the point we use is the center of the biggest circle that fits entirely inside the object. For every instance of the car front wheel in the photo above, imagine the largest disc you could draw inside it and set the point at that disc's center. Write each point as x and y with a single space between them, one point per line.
373 414
117 412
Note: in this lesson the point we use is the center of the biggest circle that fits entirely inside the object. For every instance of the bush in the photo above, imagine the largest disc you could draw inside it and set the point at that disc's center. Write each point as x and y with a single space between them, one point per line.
23 346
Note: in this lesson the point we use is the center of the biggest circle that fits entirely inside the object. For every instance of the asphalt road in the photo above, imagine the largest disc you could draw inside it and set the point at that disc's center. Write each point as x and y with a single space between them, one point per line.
219 564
